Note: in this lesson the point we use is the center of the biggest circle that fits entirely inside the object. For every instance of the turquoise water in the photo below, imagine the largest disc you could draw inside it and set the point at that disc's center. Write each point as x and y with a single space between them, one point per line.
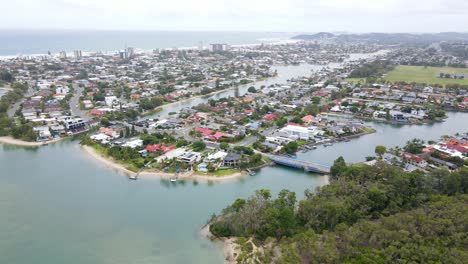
58 205
16 42
358 149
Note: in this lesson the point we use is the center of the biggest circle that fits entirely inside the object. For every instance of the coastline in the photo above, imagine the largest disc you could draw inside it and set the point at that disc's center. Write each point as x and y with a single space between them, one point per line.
110 163
228 245
21 143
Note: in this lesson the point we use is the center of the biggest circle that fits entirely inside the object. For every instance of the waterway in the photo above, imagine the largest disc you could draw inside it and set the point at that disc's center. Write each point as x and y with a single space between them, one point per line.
284 73
57 205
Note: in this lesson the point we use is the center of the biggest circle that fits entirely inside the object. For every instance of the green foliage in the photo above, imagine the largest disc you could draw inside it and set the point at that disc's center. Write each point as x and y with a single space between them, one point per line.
150 104
373 69
291 147
252 89
377 214
24 132
6 76
339 166
414 146
198 146
380 150
224 145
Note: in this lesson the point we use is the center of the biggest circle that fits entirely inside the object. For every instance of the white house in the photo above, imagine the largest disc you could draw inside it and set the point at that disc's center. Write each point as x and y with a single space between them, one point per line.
110 100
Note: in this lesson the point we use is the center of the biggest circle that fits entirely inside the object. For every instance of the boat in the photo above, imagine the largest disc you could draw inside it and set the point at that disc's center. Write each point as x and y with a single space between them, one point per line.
173 179
251 173
133 177
328 144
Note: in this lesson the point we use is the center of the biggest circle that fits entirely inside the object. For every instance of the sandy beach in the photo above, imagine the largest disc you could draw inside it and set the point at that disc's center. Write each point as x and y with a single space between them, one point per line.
228 245
108 162
21 143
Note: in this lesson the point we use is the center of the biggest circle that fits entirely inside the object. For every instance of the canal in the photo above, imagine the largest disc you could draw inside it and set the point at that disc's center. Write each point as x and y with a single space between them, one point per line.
58 205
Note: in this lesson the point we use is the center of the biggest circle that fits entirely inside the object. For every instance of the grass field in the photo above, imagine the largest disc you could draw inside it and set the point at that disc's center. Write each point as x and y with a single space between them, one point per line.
428 75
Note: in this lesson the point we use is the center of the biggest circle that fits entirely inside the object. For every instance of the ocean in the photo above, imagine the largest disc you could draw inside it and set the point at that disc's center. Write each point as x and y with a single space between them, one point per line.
29 42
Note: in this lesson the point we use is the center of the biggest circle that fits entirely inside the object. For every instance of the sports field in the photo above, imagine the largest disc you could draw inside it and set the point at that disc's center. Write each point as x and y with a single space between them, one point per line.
428 75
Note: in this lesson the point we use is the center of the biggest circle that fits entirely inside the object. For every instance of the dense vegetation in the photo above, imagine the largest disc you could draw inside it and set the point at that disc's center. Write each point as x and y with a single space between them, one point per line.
373 69
8 126
366 214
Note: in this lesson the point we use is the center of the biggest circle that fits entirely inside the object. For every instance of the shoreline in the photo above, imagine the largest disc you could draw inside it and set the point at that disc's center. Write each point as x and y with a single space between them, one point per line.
110 163
161 107
227 245
21 143
384 121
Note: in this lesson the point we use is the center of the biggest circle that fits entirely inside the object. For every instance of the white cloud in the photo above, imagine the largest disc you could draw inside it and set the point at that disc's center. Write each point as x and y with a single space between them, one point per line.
252 15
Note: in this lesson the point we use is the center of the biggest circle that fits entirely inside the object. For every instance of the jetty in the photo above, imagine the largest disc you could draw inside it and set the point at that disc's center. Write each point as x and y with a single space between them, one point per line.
299 164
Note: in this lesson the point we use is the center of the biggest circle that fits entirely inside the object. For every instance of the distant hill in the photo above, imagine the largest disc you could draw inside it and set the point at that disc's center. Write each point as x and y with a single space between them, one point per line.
388 38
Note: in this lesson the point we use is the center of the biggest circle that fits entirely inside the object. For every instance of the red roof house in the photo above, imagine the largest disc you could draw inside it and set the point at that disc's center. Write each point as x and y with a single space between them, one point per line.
269 117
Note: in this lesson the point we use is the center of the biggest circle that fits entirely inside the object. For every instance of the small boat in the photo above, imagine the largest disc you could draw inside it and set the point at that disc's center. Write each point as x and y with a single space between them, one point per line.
173 179
251 173
133 177
328 144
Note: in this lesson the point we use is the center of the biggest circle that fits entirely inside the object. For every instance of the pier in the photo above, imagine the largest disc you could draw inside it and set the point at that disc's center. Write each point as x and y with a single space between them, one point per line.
299 164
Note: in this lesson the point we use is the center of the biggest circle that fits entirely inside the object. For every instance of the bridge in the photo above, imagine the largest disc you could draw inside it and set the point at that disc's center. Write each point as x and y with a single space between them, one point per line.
299 164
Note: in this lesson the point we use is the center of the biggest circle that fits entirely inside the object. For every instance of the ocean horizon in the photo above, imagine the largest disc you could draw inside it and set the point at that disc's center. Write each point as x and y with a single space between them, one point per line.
37 42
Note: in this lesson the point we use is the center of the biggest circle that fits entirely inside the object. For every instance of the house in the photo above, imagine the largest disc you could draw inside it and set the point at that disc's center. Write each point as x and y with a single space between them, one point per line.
294 131
159 148
336 108
110 100
189 157
135 97
43 133
97 112
100 138
204 131
219 155
75 124
308 119
269 117
109 132
414 159
217 136
232 160
133 143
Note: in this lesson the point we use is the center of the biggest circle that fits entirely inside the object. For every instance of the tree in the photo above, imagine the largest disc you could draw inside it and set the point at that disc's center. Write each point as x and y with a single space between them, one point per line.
198 146
339 166
380 150
252 89
6 76
316 100
291 147
105 122
224 145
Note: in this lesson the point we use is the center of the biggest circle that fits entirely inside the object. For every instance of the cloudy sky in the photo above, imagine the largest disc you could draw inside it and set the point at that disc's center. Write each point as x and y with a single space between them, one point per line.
239 15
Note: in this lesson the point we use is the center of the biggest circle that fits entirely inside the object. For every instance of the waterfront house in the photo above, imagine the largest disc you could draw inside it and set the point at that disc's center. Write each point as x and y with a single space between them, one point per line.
232 160
189 157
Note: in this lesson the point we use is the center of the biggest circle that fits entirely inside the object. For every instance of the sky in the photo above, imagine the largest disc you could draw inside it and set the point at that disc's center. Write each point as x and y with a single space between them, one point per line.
239 15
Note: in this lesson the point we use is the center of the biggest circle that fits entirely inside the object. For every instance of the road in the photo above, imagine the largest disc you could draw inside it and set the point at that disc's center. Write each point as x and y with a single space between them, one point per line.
75 104
11 112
